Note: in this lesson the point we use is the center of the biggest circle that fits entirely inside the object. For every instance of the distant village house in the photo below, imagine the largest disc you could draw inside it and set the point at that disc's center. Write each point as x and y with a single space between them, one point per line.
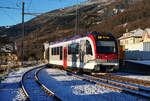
137 44
132 37
146 35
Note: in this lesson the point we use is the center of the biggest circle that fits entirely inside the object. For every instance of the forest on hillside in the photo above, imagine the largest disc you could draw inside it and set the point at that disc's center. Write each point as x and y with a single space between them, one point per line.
97 17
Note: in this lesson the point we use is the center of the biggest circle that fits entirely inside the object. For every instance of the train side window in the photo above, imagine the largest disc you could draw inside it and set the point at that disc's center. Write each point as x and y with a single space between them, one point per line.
77 48
69 50
57 51
88 48
60 53
74 48
52 51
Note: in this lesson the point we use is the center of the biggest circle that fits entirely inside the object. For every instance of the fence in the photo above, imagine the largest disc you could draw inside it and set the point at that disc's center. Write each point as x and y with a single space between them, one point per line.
140 51
138 55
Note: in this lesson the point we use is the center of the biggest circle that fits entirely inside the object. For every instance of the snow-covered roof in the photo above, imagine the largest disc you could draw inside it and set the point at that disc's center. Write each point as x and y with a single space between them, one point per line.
148 31
137 33
121 37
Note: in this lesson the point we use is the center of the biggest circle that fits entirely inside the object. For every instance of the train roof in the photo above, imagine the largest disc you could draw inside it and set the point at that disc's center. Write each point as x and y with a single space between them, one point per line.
102 33
81 36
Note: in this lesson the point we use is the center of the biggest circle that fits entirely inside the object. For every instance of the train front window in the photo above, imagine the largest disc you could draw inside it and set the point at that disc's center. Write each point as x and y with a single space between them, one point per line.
105 47
88 48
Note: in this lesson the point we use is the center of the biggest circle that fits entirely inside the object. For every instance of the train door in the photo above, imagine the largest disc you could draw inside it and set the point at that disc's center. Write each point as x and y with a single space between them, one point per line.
89 54
65 57
82 53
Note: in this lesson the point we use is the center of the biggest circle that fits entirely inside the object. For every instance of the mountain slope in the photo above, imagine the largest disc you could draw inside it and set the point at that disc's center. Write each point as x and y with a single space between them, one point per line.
137 16
94 15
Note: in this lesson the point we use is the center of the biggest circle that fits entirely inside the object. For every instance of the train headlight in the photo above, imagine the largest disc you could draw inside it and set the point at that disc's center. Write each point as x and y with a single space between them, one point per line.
99 57
116 64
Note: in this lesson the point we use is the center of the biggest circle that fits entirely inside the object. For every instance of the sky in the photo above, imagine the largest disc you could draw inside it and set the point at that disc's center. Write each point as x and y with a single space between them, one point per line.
13 16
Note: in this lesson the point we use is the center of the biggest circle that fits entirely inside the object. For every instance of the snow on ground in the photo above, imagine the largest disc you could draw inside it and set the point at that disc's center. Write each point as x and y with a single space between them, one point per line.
135 76
10 88
69 88
34 90
146 62
140 77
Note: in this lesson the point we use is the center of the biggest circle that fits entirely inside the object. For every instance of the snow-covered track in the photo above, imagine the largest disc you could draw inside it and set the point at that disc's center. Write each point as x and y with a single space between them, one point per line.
91 81
44 87
124 79
125 87
114 81
31 89
121 87
22 85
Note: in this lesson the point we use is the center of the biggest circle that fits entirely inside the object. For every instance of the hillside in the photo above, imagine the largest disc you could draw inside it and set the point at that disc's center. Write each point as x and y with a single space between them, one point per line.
94 15
137 16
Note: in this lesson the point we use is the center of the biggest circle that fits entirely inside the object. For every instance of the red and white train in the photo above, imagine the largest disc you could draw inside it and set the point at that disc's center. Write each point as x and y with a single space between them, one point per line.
91 52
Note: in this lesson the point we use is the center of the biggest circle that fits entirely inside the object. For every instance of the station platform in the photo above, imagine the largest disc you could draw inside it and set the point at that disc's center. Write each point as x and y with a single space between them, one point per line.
144 62
136 66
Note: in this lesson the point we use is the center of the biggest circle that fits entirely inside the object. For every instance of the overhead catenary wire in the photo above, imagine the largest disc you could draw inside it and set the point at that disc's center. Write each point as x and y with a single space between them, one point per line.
4 7
60 1
30 3
10 17
9 7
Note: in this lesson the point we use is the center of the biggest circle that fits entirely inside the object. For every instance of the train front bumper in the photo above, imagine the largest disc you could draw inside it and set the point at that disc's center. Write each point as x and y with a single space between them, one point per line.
106 64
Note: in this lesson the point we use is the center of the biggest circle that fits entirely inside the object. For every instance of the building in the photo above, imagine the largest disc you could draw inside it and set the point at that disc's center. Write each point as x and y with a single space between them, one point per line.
137 44
132 37
46 51
7 55
146 35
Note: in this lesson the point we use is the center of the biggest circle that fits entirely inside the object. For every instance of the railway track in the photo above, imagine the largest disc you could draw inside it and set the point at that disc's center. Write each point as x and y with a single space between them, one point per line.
118 86
124 79
33 89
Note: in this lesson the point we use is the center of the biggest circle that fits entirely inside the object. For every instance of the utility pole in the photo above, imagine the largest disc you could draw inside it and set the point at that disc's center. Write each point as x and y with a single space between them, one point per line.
22 33
76 23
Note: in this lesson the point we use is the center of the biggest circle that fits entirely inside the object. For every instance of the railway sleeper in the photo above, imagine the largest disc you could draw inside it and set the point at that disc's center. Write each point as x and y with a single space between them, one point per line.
112 82
122 79
111 87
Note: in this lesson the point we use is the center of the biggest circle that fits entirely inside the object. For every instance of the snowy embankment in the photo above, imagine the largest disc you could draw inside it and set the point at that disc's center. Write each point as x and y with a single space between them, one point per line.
10 88
69 88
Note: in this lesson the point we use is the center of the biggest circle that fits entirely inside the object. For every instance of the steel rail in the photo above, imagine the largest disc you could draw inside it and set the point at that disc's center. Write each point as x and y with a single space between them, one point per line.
125 79
122 85
22 84
44 87
109 86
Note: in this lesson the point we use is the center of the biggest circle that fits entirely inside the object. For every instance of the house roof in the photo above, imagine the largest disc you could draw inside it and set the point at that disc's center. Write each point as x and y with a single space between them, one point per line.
148 31
134 33
138 33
